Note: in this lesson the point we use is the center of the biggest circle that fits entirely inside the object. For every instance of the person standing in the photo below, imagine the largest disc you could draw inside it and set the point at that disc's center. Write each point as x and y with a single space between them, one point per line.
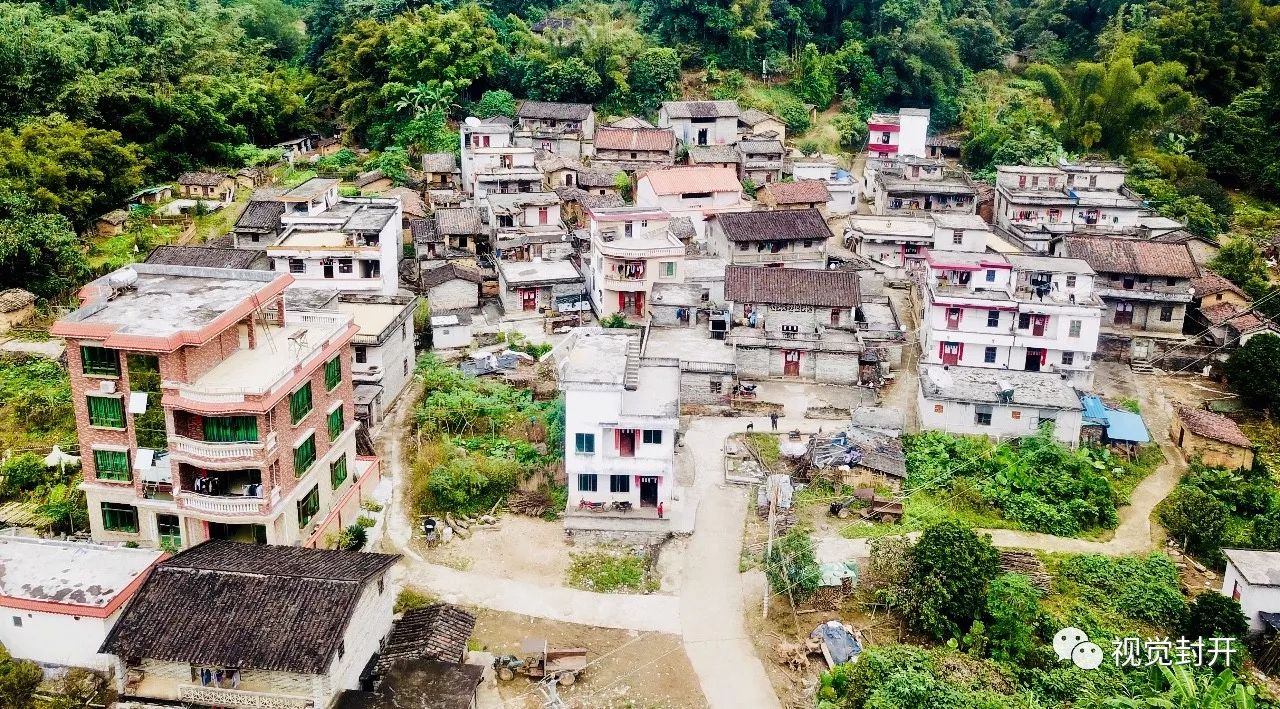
773 419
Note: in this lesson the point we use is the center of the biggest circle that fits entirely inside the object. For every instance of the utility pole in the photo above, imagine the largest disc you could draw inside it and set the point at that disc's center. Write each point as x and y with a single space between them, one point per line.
768 548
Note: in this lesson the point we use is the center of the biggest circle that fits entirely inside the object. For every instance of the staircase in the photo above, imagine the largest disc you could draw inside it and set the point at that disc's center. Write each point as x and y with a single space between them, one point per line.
631 379
1141 366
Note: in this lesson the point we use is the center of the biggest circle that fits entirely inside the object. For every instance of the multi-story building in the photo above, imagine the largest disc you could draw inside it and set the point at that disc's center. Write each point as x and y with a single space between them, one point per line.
632 250
893 243
701 122
762 160
383 349
692 192
566 129
527 226
207 409
1028 313
1039 203
1145 285
903 134
491 162
622 412
352 244
635 149
784 237
917 186
1000 405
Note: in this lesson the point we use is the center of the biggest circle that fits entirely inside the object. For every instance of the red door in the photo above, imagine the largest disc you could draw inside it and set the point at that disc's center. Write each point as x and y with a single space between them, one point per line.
529 298
791 363
640 304
1037 324
953 318
951 352
626 440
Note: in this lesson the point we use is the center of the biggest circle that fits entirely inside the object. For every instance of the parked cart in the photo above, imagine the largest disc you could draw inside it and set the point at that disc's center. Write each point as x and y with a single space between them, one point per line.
537 660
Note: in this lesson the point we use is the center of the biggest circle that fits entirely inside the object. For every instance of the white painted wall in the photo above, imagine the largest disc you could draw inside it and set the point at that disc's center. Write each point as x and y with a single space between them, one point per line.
1253 599
584 413
913 130
959 417
56 639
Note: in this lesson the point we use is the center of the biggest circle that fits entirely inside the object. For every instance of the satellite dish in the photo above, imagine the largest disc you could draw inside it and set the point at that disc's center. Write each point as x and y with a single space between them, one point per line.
472 121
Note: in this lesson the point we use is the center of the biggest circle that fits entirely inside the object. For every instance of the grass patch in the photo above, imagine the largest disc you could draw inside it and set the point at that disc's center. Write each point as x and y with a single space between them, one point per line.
35 404
923 509
610 570
767 446
410 598
1110 597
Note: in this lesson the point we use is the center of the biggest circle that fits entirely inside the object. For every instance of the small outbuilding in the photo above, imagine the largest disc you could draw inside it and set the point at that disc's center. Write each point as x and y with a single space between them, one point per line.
111 223
1213 438
1253 579
450 330
16 307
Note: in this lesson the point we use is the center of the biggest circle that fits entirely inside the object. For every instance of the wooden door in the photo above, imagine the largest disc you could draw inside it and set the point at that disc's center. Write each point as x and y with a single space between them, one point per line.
1124 313
1037 324
953 318
791 363
529 298
951 352
1035 357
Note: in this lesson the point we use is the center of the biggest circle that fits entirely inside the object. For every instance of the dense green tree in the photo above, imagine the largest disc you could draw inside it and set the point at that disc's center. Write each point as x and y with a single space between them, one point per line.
920 66
18 681
979 42
1251 371
1194 517
947 581
497 102
792 567
1012 613
1241 262
815 77
1240 142
274 23
38 252
1223 45
1213 615
655 77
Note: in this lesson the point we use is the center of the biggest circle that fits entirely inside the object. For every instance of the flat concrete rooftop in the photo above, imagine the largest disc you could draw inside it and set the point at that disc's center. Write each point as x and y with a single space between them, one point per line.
69 573
279 348
596 357
371 318
658 393
303 239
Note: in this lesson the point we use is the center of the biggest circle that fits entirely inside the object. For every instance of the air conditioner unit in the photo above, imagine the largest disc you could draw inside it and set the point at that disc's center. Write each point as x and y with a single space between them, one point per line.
107 387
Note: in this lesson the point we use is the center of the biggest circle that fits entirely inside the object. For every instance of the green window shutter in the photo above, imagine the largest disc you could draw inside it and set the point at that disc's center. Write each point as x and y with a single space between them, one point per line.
119 518
170 528
338 471
304 456
106 411
308 507
99 360
300 403
335 423
112 465
333 373
231 429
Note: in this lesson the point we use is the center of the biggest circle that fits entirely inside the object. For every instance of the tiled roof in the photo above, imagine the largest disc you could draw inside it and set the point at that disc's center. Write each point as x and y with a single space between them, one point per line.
410 201
631 122
754 117
115 217
368 178
796 286
439 162
422 684
1241 320
558 111
436 632
635 139
1211 283
701 109
1211 425
682 228
769 147
701 154
679 180
462 220
261 215
432 277
203 179
423 231
599 174
792 224
800 192
246 605
204 256
1133 256
587 199
13 299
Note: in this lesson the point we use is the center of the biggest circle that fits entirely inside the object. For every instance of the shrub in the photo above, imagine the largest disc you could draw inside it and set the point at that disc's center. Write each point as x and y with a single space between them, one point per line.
609 571
471 483
1196 519
1212 615
365 522
410 598
354 537
792 566
1013 609
947 581
23 473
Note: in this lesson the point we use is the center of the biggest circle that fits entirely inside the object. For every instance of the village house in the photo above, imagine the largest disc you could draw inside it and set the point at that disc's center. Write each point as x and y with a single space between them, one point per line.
298 627
353 245
941 147
439 171
701 122
789 237
954 231
636 149
412 208
62 598
309 199
533 287
903 134
566 129
998 404
762 160
450 329
383 348
17 306
801 194
1213 439
491 162
209 257
1039 203
693 192
630 122
895 243
622 414
1253 579
428 244
1028 313
462 229
576 203
916 186
527 226
208 409
632 250
1211 289
1145 285
259 224
251 178
754 123
794 322
724 156
1231 326
841 184
448 286
112 223
207 186
1204 249
151 195
373 182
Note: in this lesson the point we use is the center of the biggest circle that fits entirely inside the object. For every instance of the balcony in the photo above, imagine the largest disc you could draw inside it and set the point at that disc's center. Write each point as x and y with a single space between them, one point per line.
206 451
648 245
232 505
216 696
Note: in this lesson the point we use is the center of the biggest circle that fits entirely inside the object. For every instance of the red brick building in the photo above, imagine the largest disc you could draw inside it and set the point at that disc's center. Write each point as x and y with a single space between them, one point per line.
206 410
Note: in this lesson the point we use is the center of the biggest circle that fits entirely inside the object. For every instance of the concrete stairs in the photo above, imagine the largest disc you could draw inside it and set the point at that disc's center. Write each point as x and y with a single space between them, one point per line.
631 379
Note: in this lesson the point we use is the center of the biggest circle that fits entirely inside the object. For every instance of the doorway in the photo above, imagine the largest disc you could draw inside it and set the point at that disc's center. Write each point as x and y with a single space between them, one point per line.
528 299
649 492
951 352
1035 356
1037 324
328 268
702 136
1124 314
791 363
626 442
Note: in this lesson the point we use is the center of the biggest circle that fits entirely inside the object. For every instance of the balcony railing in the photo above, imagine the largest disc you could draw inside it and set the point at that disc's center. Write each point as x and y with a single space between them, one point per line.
216 696
221 451
221 505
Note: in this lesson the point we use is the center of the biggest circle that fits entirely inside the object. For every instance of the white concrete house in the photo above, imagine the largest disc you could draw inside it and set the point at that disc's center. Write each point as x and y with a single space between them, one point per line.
351 245
891 242
384 348
632 249
701 122
840 183
559 128
998 404
1253 579
451 330
901 134
58 600
621 417
692 192
1037 203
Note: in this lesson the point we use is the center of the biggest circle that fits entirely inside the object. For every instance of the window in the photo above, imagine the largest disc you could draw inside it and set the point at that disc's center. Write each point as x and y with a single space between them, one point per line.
99 360
308 507
808 243
993 318
1166 313
957 236
1171 281
170 528
404 331
345 265
1068 358
119 518
982 415
669 269
231 429
362 354
112 465
336 423
989 355
297 265
304 456
17 621
1024 321
587 482
938 408
1035 180
1073 330
742 246
338 471
991 275
1071 281
105 411
619 483
405 367
584 442
651 435
332 373
300 403
715 386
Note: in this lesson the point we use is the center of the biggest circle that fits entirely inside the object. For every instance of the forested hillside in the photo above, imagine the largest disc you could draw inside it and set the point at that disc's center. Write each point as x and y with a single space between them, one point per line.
100 98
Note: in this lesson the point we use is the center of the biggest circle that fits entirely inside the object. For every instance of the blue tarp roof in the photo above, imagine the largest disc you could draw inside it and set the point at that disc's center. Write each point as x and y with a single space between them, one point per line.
1121 425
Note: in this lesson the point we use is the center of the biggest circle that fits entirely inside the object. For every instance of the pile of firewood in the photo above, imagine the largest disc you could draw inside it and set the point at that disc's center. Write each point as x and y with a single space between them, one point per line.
1027 564
465 525
533 504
